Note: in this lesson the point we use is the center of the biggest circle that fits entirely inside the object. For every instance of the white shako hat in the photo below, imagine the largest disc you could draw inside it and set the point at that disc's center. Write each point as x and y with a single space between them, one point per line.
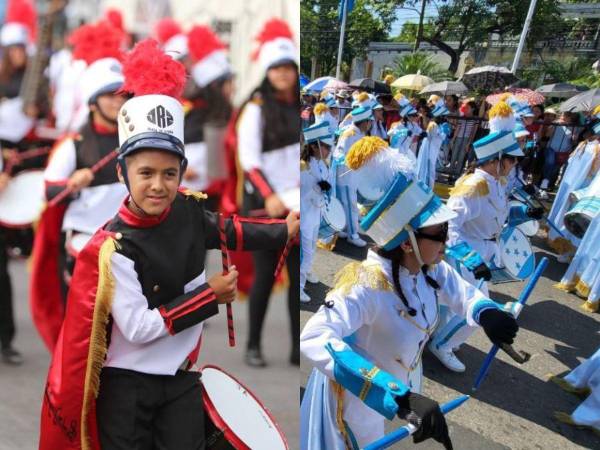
99 45
276 45
171 37
406 204
501 140
19 23
209 56
318 132
153 118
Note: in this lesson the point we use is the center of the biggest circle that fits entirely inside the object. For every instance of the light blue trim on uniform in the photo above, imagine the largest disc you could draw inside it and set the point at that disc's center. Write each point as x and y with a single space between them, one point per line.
464 255
361 377
398 186
481 306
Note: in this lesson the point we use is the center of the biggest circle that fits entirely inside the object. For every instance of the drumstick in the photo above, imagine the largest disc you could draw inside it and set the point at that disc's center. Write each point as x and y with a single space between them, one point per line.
20 157
284 255
95 168
225 260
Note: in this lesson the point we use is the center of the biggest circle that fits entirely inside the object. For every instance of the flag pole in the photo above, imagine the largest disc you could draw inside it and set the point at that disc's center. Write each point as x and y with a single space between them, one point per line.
342 35
523 36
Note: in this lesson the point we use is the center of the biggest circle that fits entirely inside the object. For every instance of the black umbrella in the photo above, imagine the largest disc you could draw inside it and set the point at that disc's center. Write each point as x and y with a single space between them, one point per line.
488 78
370 85
561 90
586 101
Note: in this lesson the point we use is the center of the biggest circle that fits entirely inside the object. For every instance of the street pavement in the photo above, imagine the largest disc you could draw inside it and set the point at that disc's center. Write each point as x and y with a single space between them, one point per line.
276 386
513 408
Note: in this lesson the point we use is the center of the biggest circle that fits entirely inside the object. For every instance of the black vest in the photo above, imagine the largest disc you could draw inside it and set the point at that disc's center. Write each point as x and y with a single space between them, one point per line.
289 128
91 148
169 255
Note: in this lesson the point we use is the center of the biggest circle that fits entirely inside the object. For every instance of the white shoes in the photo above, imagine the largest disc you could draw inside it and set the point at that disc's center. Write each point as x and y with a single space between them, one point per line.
447 358
304 297
312 278
357 241
342 234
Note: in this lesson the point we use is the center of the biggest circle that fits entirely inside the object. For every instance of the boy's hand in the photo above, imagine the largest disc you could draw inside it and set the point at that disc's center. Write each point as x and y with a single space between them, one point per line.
274 206
4 180
293 224
225 286
80 179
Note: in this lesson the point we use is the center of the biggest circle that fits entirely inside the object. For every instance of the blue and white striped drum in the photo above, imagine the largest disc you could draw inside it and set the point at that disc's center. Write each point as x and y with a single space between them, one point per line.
368 195
333 219
516 253
578 219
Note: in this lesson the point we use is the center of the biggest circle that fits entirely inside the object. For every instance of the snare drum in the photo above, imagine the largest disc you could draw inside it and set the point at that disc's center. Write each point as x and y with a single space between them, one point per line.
368 195
333 219
235 418
529 228
291 199
578 219
516 253
76 243
22 201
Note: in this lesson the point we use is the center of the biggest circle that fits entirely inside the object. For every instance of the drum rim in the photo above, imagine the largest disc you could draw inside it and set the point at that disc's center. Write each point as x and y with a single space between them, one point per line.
510 230
24 225
215 417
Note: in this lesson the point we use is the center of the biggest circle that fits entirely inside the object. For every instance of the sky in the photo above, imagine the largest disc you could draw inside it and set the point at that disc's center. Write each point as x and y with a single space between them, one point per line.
408 15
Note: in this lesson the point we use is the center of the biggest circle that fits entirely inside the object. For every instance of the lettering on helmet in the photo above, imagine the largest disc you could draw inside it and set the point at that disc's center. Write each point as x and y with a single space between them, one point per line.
160 116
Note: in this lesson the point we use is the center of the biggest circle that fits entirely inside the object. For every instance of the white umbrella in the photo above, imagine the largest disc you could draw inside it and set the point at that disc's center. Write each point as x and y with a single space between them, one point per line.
335 85
412 82
318 84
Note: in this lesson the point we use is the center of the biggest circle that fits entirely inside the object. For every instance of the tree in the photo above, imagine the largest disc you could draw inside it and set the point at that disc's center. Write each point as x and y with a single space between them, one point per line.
420 62
370 20
467 23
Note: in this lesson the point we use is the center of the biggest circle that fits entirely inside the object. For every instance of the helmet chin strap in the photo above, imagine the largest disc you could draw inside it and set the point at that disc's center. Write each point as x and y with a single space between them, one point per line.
138 207
414 245
104 116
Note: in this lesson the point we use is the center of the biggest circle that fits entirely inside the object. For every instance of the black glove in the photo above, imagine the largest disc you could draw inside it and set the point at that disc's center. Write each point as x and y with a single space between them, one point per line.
500 326
324 185
423 135
482 271
409 133
529 188
424 414
535 212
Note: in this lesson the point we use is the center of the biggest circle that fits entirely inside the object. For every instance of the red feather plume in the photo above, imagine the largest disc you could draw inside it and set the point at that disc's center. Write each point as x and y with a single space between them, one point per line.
202 41
92 42
115 18
273 29
165 29
149 70
23 12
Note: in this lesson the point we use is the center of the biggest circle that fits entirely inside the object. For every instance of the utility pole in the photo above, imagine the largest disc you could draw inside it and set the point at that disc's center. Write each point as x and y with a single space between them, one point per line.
420 28
342 35
523 36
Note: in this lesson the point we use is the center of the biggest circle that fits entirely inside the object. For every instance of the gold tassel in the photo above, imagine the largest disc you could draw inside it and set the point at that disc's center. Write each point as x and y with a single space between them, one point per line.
339 416
362 97
363 150
590 307
582 289
500 109
568 387
320 108
329 246
97 347
465 189
364 274
349 132
197 195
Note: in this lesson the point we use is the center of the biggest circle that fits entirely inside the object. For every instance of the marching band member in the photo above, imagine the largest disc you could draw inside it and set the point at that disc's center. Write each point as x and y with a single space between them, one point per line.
402 133
315 185
480 201
209 92
427 161
327 111
171 38
120 374
362 119
269 153
95 197
366 345
378 129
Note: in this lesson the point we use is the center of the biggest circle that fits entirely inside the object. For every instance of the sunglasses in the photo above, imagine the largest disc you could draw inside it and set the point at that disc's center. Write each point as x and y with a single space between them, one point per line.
441 236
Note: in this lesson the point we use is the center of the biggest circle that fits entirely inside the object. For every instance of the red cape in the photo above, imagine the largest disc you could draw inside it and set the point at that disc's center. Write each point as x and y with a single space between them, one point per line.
68 419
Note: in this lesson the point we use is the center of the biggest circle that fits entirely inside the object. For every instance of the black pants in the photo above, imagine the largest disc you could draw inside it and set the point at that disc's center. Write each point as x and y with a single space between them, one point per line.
264 268
137 411
7 320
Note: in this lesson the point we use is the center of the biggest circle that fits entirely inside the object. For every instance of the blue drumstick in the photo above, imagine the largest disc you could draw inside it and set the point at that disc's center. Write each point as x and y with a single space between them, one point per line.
407 430
522 299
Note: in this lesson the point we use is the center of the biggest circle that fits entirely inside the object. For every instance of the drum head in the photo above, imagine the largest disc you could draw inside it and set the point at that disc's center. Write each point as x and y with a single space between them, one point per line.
516 253
231 403
22 201
578 219
370 193
291 199
529 228
334 215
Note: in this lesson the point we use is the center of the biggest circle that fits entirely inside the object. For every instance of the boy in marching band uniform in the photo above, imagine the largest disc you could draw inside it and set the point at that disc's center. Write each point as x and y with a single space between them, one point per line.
120 373
315 187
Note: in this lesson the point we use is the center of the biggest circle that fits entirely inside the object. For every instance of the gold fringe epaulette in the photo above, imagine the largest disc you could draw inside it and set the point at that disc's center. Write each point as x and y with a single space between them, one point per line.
349 132
590 307
465 187
98 342
303 165
320 108
196 195
257 99
365 274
